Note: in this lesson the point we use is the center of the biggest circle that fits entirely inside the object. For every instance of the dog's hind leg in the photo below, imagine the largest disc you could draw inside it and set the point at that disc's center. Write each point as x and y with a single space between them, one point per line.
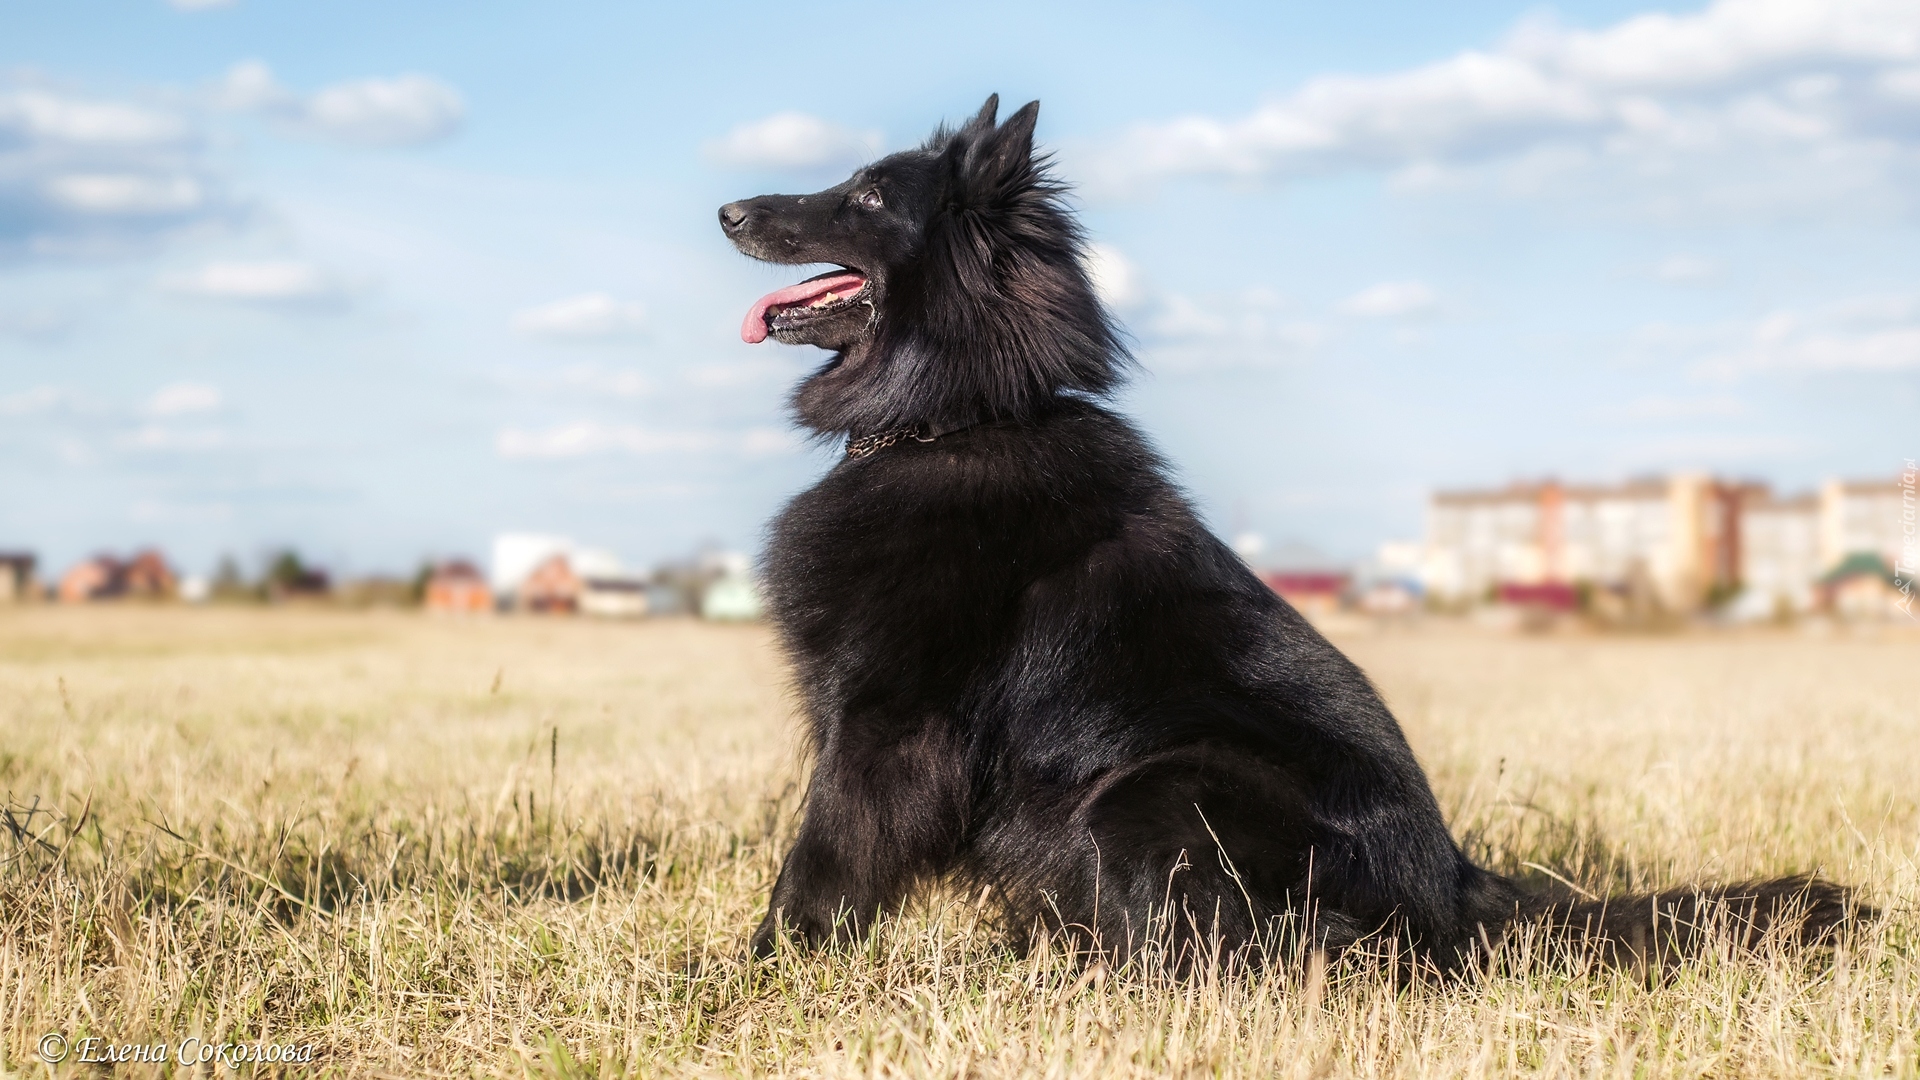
1189 858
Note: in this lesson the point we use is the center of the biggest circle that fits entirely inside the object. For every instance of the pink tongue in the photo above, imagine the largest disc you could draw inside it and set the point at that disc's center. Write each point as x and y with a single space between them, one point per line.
754 329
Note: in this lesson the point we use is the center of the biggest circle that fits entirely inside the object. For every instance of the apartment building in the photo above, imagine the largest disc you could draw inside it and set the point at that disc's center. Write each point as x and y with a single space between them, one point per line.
1680 533
1688 536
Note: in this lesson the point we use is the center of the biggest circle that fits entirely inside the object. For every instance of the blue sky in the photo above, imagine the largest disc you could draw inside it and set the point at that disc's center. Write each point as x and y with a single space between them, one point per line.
380 280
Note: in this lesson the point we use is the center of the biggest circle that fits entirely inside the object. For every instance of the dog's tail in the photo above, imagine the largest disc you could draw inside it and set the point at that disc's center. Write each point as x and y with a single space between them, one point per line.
1654 929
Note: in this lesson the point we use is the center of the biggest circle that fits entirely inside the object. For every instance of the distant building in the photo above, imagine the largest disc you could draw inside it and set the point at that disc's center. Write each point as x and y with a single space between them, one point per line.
1862 587
1681 532
1311 592
1302 576
1780 554
731 597
613 597
17 582
377 591
714 584
1552 597
146 576
550 588
1390 596
548 573
1389 584
670 596
608 590
1477 539
1862 517
1822 550
456 587
516 555
291 580
89 579
1673 543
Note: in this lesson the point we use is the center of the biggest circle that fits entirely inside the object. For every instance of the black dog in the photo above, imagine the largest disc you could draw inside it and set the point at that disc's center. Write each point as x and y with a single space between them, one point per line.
1025 662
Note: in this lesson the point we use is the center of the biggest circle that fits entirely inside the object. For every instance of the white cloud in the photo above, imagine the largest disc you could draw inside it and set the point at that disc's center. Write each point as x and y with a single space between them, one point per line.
1252 327
620 384
121 194
1470 103
280 282
764 370
793 140
405 110
84 175
589 316
36 324
1654 407
1248 328
40 399
152 511
401 111
768 442
1723 450
175 399
1809 87
581 379
250 85
200 5
1784 342
1866 334
1730 40
1392 300
43 115
1684 269
1115 278
75 452
1180 318
1902 85
587 438
159 438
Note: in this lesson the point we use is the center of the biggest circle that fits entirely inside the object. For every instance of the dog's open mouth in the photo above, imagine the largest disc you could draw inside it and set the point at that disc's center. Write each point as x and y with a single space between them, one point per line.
797 305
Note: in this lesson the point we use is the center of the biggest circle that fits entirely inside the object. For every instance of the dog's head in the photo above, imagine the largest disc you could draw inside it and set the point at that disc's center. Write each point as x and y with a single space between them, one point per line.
957 294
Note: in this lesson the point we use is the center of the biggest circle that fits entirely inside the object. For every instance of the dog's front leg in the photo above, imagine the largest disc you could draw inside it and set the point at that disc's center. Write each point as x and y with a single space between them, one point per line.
875 823
819 896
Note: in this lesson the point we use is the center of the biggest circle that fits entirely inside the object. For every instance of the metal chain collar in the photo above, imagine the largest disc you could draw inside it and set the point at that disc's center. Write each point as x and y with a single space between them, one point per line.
868 445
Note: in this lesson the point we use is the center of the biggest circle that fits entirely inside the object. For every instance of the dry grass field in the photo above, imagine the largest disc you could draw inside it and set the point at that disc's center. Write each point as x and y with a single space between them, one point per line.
525 847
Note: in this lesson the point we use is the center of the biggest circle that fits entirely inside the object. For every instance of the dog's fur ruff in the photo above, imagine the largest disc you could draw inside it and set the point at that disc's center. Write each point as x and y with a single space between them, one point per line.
1025 662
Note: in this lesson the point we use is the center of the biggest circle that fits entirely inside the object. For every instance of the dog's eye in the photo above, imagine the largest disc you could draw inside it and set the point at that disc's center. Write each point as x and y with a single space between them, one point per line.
871 200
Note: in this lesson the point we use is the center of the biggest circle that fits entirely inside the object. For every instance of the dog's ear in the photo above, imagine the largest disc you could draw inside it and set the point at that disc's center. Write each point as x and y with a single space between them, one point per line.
988 112
1013 142
1002 156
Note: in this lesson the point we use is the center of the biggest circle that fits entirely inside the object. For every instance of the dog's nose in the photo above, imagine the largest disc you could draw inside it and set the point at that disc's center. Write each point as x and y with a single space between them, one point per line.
732 216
